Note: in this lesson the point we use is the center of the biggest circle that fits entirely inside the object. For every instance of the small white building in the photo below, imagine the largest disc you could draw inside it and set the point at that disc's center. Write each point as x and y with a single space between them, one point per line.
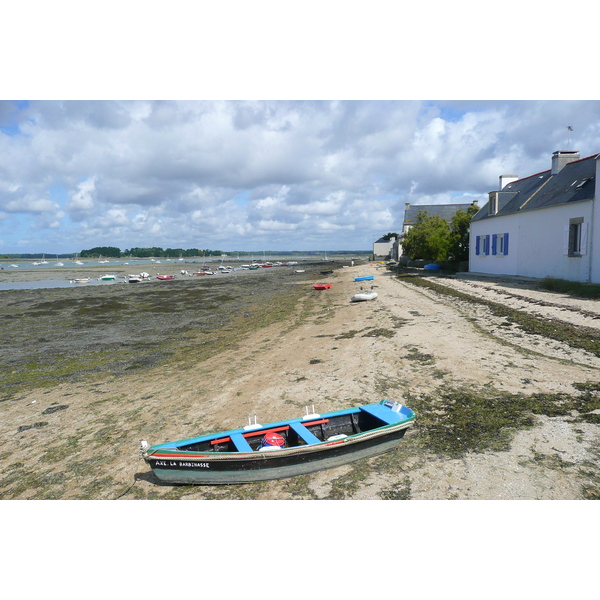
382 248
542 225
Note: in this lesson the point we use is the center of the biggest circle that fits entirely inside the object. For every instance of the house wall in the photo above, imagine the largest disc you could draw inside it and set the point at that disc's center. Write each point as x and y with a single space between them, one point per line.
498 264
542 243
382 250
594 237
536 244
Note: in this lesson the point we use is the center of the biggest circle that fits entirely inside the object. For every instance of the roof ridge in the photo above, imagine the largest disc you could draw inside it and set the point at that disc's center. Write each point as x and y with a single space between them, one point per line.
533 175
585 158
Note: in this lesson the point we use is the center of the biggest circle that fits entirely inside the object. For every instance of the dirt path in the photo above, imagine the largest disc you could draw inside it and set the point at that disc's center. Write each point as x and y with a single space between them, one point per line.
331 354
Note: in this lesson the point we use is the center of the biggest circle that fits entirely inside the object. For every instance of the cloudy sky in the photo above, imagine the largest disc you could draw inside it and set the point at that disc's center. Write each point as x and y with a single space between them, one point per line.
296 172
260 175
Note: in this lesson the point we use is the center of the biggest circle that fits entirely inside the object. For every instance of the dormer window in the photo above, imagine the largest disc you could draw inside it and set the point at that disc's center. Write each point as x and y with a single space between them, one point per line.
493 203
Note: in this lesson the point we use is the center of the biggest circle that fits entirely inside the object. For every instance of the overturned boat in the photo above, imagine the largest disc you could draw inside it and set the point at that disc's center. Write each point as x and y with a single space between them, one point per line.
284 449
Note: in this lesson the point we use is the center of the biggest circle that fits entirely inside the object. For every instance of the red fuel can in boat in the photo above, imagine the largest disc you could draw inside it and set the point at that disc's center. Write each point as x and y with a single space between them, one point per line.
273 439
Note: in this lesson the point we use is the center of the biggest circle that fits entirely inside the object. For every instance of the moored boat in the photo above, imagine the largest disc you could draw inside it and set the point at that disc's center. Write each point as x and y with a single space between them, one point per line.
107 278
283 449
165 277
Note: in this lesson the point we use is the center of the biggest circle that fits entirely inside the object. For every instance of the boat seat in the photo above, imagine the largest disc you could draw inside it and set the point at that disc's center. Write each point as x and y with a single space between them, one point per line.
240 443
304 433
383 414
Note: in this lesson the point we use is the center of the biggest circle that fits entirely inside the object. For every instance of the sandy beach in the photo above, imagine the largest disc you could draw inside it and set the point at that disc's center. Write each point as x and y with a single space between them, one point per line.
281 346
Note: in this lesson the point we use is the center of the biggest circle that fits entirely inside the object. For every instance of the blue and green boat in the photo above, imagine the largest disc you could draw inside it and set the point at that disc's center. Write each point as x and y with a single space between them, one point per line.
283 449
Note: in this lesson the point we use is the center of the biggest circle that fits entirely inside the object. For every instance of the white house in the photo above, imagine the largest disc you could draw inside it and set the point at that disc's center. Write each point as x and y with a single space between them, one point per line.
542 225
382 248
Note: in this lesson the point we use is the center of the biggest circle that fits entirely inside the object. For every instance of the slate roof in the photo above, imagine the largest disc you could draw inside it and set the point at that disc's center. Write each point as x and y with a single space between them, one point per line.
445 211
573 183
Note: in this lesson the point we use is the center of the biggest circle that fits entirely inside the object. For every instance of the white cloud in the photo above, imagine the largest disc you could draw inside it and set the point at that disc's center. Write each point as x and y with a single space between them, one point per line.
82 201
29 203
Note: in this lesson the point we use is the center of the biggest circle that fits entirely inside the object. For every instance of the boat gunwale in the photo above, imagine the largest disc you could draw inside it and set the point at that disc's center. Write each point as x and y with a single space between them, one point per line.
303 449
305 420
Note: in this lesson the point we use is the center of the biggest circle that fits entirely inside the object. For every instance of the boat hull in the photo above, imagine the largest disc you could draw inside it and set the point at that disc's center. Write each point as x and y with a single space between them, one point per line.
279 464
363 297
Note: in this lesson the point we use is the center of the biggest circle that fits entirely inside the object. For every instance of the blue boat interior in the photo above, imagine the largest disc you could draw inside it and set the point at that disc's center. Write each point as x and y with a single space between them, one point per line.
328 427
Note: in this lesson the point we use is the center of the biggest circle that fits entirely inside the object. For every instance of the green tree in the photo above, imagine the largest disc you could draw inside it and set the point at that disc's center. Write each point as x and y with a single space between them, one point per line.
429 238
459 238
105 251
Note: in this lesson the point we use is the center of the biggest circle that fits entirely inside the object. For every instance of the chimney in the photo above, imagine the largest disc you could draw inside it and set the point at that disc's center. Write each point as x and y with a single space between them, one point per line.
506 179
562 157
406 205
475 202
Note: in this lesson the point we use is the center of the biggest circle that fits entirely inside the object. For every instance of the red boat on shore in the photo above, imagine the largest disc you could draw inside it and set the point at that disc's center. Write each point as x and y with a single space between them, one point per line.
322 286
163 277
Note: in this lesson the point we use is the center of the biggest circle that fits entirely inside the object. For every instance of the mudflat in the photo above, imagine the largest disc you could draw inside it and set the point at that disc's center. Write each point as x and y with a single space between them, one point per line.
506 407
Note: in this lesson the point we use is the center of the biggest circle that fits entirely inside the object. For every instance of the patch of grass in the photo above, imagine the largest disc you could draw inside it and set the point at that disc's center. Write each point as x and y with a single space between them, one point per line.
573 288
62 451
398 491
420 357
347 335
346 485
457 420
380 332
299 488
245 491
96 488
575 336
47 485
110 332
399 321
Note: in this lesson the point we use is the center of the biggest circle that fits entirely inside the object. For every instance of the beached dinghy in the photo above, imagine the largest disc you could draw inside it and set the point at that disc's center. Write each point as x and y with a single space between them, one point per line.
363 297
365 278
322 286
284 449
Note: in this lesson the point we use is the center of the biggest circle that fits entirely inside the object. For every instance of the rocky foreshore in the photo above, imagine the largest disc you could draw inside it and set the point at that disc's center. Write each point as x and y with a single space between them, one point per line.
501 413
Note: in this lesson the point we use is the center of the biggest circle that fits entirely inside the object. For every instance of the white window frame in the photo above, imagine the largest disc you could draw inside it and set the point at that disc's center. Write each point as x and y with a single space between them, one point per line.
576 237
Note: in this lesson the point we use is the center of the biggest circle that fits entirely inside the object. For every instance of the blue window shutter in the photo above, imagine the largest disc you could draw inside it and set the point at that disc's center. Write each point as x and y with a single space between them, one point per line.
494 243
477 239
487 244
506 243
